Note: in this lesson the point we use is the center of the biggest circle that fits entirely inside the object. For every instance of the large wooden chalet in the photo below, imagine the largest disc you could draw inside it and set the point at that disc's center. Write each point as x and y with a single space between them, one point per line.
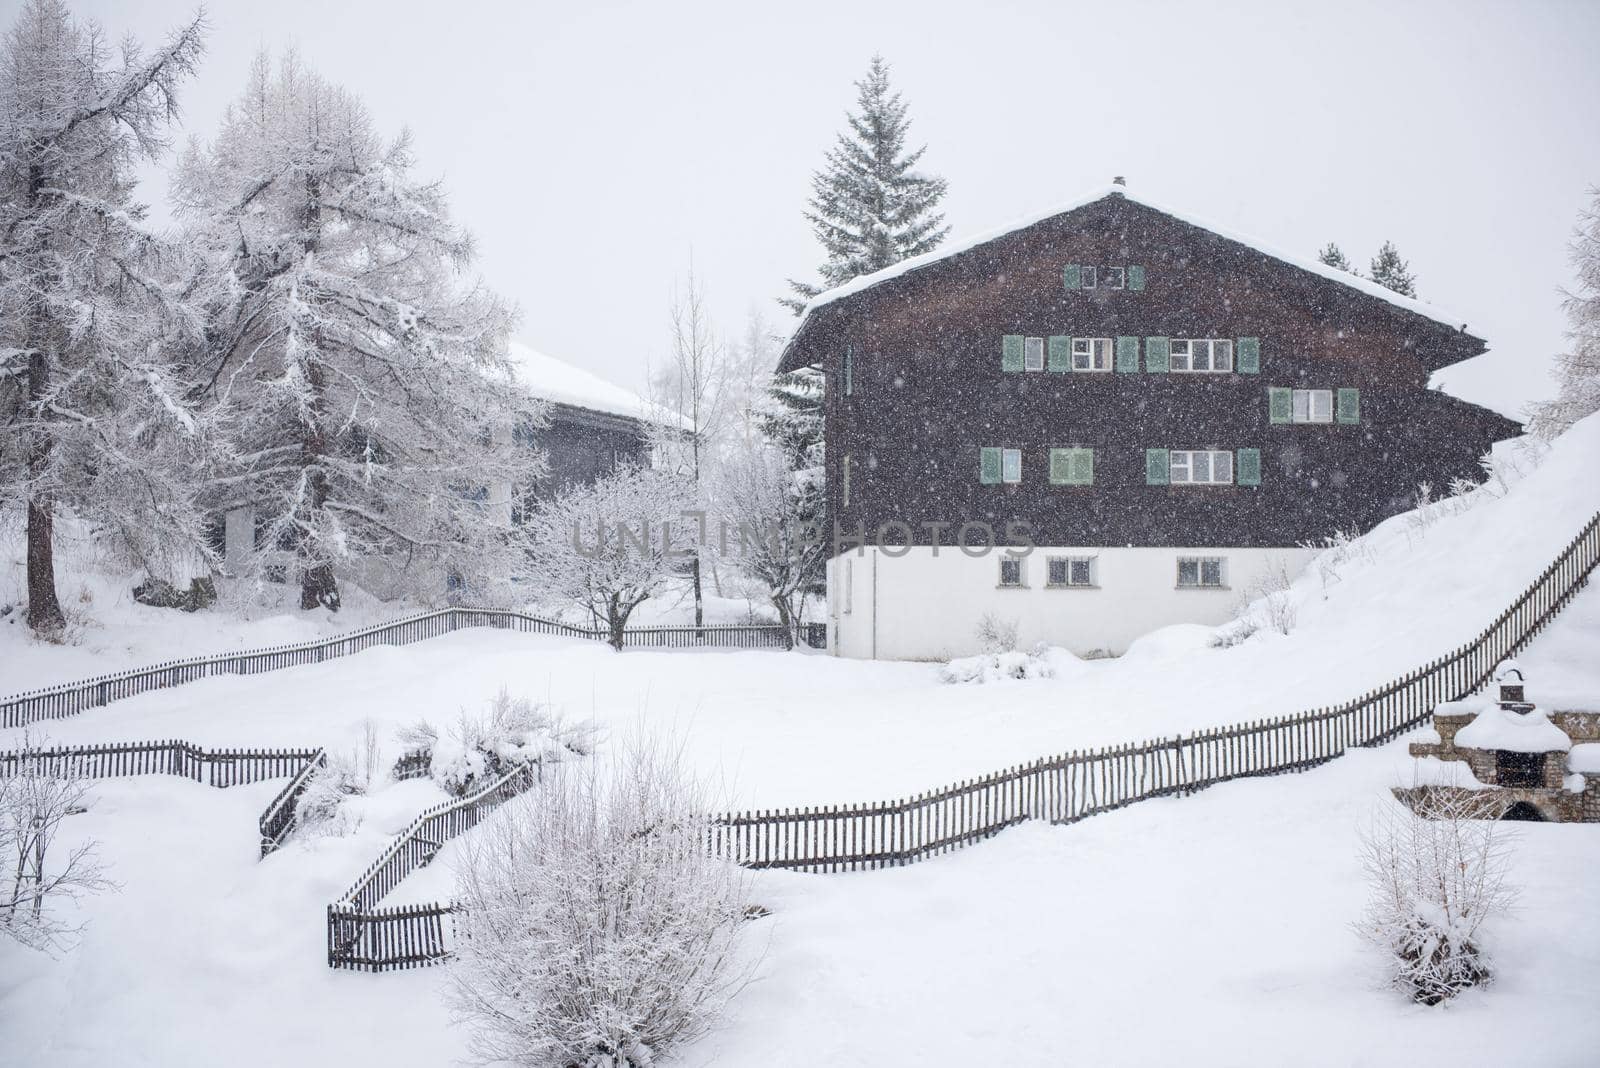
1171 412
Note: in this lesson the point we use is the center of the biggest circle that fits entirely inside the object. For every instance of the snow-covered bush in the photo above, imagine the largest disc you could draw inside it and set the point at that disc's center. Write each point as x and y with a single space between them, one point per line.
480 748
1434 879
320 808
597 929
994 667
1270 600
997 634
33 877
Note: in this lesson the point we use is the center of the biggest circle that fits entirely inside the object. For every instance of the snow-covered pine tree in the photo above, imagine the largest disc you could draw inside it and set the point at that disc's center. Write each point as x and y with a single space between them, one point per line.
869 205
1578 369
1392 272
1334 256
91 306
791 419
365 375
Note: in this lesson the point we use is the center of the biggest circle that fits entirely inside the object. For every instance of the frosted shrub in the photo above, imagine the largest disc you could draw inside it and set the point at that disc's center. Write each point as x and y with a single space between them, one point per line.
1434 879
34 877
321 806
513 731
1272 600
997 634
995 667
597 928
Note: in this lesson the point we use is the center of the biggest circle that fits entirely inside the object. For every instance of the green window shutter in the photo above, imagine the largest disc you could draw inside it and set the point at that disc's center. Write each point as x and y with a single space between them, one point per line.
1083 467
1069 276
1247 468
1155 467
989 466
1128 354
1011 347
1280 405
1136 279
849 384
1060 467
1349 409
1156 352
1247 359
1060 358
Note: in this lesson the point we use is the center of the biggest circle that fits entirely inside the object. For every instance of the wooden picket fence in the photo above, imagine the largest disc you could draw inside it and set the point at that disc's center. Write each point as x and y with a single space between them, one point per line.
364 937
212 767
69 699
279 818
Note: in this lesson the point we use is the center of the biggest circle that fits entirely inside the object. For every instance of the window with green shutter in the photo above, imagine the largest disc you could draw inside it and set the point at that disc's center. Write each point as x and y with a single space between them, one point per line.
1128 354
1157 350
989 466
1155 467
1071 276
1136 278
1072 467
1060 354
1280 404
1247 471
1012 347
1247 356
1349 410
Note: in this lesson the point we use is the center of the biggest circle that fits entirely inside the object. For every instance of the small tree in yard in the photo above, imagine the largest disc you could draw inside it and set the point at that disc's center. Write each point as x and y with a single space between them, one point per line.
772 506
608 546
33 805
597 929
1435 878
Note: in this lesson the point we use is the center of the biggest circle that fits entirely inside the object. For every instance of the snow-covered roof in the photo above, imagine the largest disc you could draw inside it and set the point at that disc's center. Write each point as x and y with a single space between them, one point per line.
561 383
953 248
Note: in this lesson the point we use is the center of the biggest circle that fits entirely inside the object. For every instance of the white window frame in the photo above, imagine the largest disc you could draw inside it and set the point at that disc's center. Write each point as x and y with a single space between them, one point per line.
1121 277
1010 464
1183 354
1200 563
1022 572
1305 406
1033 354
844 482
1091 349
1070 562
1182 467
849 584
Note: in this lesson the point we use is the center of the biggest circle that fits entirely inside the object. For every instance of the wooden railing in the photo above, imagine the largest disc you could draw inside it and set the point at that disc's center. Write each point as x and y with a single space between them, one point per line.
212 767
69 699
279 818
362 936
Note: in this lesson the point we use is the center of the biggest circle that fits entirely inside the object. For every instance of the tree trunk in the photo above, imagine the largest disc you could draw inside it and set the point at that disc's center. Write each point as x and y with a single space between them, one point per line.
616 622
44 610
786 618
699 604
318 587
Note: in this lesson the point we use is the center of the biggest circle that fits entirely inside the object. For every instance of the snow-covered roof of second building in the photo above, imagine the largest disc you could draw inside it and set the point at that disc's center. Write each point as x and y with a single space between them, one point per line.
953 248
561 383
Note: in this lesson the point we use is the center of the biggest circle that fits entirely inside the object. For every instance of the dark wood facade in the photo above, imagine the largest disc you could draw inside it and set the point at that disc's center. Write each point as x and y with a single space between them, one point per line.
928 391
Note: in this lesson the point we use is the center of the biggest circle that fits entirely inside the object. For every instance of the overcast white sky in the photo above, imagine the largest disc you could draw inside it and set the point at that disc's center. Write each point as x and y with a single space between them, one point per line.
592 147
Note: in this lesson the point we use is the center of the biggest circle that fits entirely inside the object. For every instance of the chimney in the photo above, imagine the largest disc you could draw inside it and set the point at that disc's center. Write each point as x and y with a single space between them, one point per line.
1120 180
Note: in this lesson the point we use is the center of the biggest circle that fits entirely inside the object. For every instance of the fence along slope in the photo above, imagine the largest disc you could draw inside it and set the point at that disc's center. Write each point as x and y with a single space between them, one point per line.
1076 785
71 698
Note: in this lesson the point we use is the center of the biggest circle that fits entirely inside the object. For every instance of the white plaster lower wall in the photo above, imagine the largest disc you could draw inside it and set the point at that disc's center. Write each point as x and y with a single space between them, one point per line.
922 606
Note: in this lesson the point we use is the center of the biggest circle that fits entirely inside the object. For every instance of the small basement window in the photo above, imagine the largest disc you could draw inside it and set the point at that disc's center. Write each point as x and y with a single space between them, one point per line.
1091 354
1011 571
1034 354
1114 277
1200 467
1067 571
1313 405
1201 573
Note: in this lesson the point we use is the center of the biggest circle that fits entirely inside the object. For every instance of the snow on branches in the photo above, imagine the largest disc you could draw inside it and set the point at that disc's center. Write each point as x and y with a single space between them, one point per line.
374 419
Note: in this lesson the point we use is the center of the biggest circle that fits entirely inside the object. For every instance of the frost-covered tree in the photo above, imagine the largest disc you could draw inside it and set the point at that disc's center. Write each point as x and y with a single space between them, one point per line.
790 417
770 506
613 544
1334 256
364 372
870 207
597 929
1392 272
93 406
36 876
691 392
1578 369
